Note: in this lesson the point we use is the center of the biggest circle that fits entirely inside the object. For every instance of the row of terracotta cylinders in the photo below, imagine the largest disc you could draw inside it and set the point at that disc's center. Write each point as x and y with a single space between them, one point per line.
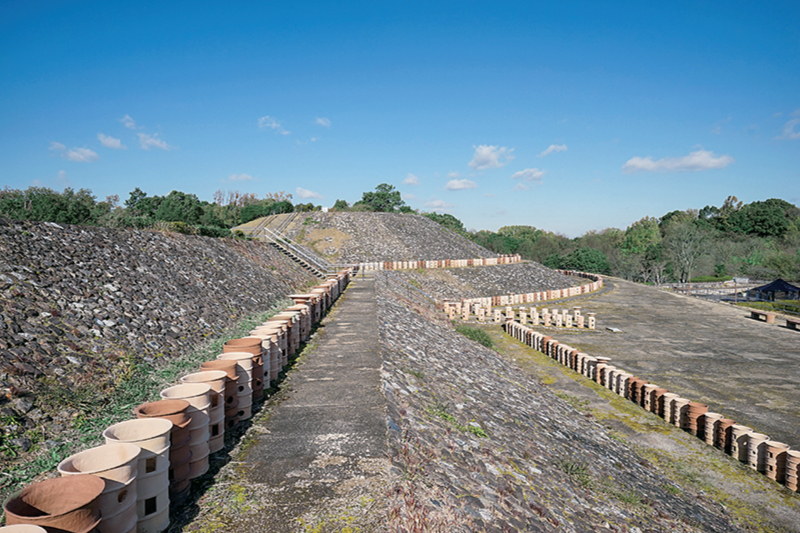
773 459
529 297
440 263
127 484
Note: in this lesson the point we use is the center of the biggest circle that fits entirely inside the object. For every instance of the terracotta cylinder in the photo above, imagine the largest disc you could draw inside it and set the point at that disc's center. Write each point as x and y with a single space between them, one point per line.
776 460
229 367
214 379
117 465
680 413
696 421
711 427
658 401
199 462
757 452
668 402
724 434
172 410
590 367
254 346
68 504
740 436
608 382
197 394
152 435
22 528
633 387
232 415
792 469
649 396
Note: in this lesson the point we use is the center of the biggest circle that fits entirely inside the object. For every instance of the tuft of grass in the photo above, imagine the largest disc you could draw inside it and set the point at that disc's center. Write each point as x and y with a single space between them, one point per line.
475 334
577 470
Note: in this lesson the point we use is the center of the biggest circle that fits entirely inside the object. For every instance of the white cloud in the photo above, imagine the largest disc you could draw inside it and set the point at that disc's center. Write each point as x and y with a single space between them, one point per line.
438 204
529 174
695 161
409 196
128 122
520 187
458 185
453 175
37 183
305 193
81 155
240 177
57 146
411 179
490 157
554 148
788 130
152 141
110 142
268 123
322 121
314 139
62 178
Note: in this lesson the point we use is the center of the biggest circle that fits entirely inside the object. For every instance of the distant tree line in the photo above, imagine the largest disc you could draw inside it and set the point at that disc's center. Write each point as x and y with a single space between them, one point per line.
760 240
177 211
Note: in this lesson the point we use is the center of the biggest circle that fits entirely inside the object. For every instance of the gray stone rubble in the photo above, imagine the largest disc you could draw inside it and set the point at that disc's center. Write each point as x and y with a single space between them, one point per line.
82 304
391 237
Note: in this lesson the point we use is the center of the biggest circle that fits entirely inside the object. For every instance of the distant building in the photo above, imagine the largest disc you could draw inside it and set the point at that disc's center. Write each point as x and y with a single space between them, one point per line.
777 290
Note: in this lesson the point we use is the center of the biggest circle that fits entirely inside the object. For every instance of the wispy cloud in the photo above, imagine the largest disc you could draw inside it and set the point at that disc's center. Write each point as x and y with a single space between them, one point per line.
268 123
409 196
453 175
695 161
128 122
81 155
529 174
305 193
57 146
322 121
62 178
111 142
240 177
553 148
438 204
788 128
411 179
458 185
490 157
152 141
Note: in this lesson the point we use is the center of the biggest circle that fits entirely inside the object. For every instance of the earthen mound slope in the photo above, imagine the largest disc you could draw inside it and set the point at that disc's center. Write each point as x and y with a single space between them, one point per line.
479 446
479 282
81 306
356 237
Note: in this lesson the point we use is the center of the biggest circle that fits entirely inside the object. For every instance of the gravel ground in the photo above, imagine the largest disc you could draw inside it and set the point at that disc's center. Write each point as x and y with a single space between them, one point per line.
481 447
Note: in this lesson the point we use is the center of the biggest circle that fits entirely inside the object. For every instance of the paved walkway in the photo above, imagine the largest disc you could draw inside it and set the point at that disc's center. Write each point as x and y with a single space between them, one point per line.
317 458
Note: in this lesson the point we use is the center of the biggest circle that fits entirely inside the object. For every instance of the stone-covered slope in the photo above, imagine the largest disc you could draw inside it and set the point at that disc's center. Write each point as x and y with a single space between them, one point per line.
480 446
478 282
355 237
80 306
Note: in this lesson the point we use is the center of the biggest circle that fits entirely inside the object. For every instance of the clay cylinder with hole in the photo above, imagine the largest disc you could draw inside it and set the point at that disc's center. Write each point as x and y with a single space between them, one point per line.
696 419
775 460
117 464
757 451
740 436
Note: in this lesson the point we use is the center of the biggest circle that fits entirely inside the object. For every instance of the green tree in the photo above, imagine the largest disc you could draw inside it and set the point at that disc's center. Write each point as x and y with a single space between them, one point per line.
179 207
587 260
340 205
448 221
385 198
640 235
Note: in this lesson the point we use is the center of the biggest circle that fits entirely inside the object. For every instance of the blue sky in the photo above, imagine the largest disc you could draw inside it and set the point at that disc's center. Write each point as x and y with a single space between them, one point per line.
566 116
